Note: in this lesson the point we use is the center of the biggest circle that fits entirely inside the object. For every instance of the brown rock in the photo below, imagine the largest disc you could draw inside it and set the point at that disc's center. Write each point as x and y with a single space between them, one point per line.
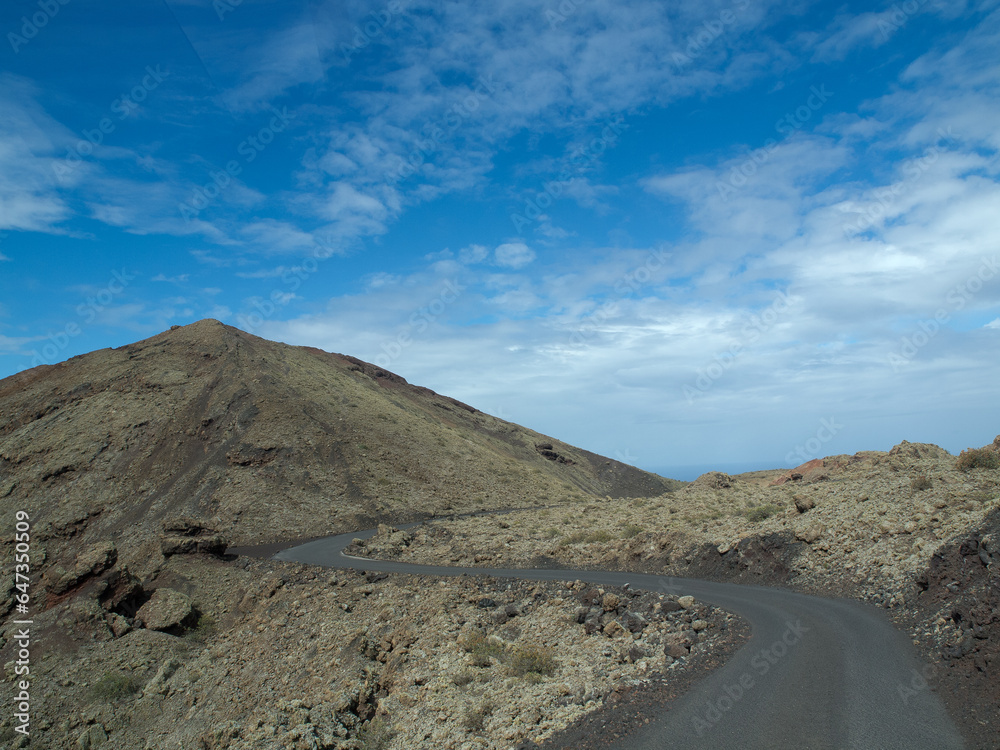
610 602
803 503
166 610
613 629
810 534
119 625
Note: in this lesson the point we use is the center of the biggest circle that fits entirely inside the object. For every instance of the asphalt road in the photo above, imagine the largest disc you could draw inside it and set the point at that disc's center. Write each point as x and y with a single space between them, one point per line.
816 674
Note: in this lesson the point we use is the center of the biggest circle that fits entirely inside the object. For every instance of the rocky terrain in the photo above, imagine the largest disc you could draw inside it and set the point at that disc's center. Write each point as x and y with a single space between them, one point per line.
268 441
906 529
141 468
213 651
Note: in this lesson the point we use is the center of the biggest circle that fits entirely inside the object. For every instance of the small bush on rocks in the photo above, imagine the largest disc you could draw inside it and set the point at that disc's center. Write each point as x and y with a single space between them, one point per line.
978 458
111 687
762 512
527 660
475 718
376 735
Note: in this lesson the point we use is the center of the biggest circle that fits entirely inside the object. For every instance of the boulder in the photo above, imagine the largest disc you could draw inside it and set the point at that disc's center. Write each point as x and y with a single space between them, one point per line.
686 601
610 602
613 629
809 534
119 625
166 610
803 503
94 560
634 622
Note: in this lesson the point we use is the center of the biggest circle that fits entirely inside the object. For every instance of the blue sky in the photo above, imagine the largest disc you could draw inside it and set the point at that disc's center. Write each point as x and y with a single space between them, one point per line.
727 234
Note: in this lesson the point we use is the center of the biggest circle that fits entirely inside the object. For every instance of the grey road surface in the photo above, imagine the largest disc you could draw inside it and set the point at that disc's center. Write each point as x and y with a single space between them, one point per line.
817 673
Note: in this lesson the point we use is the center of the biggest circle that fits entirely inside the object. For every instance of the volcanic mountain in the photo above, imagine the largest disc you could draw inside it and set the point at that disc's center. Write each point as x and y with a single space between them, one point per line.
262 441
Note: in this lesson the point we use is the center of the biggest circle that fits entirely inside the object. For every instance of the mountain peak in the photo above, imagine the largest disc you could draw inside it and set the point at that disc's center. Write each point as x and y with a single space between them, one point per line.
269 442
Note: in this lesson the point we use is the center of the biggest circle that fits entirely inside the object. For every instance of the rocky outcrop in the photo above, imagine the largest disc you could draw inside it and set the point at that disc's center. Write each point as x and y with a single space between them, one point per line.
167 610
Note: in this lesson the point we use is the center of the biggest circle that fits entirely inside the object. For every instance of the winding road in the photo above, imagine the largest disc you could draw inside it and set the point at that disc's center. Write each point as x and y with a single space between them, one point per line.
817 673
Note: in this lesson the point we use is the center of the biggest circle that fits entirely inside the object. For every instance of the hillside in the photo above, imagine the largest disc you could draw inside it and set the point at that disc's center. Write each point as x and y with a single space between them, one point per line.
914 530
261 441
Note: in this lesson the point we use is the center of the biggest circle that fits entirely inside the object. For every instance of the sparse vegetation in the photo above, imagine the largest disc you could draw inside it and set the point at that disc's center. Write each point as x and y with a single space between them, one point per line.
921 483
113 686
376 735
978 458
632 531
525 660
475 718
521 660
762 512
483 649
586 537
203 628
463 678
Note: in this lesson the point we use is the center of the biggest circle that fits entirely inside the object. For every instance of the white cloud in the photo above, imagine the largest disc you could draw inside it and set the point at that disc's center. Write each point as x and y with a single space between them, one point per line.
514 255
272 236
30 142
179 279
473 254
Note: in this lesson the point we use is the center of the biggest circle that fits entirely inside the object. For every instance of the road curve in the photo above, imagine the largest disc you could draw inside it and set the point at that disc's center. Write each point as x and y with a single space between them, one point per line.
817 673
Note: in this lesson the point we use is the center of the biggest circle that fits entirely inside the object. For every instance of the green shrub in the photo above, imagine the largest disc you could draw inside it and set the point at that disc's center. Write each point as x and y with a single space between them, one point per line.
978 458
762 512
482 649
204 628
631 531
526 660
522 661
112 687
583 537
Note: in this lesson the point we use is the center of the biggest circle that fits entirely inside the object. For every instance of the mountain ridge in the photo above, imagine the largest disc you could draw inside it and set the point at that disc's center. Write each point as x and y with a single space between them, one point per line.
262 440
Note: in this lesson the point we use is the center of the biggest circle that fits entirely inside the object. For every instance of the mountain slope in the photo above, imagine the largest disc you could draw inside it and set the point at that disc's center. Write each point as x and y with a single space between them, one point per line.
264 441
